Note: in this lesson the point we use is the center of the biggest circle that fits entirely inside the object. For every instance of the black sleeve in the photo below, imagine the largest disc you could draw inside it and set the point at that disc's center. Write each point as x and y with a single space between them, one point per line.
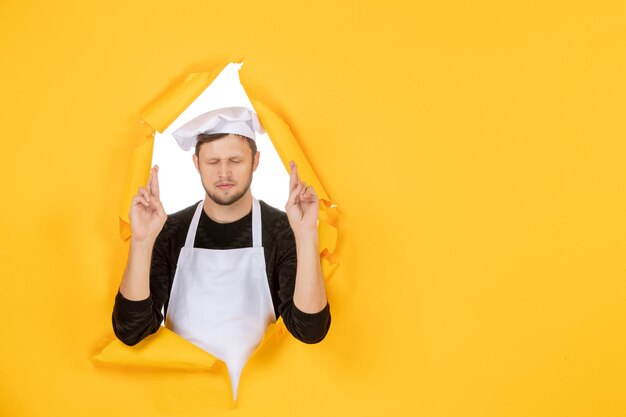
135 320
306 327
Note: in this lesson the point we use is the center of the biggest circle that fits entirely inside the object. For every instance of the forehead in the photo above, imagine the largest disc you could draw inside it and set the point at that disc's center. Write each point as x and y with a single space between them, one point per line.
225 147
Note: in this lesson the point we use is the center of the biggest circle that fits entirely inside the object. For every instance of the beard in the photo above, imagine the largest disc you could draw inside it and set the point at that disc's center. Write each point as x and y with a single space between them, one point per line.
231 199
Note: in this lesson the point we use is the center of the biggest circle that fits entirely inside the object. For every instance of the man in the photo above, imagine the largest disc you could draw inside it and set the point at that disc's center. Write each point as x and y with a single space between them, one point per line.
227 267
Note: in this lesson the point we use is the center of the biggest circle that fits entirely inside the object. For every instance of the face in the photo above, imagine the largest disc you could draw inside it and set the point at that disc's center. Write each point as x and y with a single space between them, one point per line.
226 166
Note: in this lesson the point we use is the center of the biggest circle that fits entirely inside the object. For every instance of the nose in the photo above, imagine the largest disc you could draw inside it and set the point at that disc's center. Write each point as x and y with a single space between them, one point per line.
223 170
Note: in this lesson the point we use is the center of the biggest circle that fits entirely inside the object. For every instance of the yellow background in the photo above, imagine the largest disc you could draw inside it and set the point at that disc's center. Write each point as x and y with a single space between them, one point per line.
475 148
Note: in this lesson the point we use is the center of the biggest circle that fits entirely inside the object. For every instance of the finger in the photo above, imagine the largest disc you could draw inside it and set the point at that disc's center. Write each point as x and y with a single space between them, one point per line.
139 200
149 180
310 194
159 209
307 197
144 193
156 191
293 197
303 190
293 176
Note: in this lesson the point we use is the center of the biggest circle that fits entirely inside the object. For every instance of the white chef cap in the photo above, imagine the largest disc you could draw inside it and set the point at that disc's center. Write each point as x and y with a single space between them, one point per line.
238 120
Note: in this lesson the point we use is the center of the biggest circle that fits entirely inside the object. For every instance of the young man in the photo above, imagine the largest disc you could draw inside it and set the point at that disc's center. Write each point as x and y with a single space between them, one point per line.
227 267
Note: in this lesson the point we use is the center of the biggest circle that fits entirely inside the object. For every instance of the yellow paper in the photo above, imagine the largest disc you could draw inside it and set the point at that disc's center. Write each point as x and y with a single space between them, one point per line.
162 350
164 111
476 151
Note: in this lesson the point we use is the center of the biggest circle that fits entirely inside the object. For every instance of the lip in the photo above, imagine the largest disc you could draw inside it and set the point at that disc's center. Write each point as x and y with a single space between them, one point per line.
225 186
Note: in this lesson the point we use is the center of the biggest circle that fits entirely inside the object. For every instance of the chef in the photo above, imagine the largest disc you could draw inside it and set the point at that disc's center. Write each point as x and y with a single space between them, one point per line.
226 267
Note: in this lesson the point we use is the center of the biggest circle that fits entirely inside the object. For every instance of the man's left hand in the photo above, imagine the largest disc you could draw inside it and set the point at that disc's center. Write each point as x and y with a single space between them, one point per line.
302 205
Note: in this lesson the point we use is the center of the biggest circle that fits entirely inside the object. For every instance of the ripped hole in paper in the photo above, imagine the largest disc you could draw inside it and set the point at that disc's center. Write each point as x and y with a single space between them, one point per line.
178 179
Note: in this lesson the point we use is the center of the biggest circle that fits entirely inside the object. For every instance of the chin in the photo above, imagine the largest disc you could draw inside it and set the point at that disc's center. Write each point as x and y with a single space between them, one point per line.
226 200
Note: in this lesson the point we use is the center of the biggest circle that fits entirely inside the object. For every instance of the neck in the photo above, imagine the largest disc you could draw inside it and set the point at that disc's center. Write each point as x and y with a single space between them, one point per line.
230 213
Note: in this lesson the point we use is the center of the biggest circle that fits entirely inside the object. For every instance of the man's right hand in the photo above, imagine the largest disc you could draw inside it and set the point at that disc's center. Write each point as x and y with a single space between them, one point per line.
147 215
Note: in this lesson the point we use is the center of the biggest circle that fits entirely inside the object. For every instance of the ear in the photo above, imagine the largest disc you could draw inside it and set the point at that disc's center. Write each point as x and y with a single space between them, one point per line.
256 161
195 162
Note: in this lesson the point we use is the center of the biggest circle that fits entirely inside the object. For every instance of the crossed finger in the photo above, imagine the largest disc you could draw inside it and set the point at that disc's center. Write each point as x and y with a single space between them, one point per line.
153 182
144 193
303 189
140 198
294 195
149 180
294 180
308 193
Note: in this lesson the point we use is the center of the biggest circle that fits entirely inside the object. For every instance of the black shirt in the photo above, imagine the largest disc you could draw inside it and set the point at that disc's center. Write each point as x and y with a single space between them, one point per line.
134 320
